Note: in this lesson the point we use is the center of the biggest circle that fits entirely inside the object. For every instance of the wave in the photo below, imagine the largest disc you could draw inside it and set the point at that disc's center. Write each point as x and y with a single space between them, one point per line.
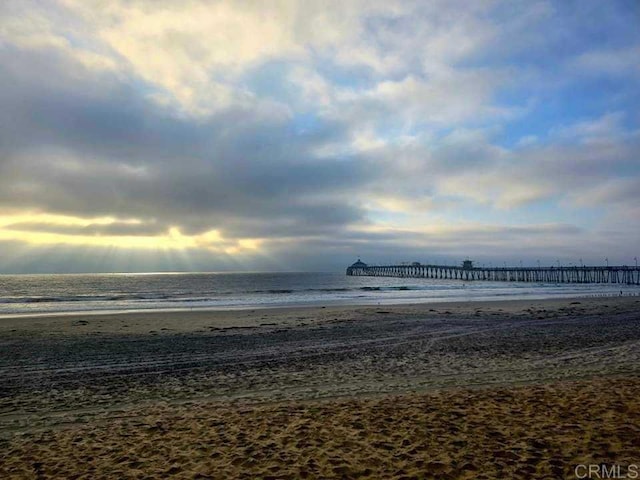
191 296
272 291
85 298
394 288
187 296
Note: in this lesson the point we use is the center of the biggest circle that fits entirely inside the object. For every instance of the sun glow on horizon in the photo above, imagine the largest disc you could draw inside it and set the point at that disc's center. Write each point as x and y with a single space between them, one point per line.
49 229
7 220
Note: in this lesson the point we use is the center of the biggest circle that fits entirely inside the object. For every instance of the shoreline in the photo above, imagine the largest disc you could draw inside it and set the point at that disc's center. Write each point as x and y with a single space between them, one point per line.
330 302
193 320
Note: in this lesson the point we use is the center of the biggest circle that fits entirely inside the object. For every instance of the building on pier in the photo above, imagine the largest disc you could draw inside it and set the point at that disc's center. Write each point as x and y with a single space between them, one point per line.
359 264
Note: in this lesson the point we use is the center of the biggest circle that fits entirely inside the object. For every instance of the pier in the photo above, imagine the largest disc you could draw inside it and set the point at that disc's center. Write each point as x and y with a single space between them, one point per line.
468 272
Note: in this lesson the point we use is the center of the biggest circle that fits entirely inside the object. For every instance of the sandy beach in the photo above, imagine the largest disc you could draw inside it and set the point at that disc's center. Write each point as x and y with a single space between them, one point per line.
517 389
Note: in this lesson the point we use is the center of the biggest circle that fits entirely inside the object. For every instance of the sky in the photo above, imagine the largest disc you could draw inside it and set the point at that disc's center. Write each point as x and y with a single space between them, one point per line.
156 135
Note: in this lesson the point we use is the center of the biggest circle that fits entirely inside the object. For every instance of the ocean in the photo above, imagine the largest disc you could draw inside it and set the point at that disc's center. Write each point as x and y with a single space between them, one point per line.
46 294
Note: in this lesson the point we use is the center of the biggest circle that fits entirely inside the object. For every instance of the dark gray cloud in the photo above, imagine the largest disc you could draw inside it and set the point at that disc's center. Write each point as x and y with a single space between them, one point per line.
88 145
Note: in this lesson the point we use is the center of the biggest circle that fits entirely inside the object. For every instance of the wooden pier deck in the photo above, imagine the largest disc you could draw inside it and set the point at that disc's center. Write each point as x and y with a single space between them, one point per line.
574 274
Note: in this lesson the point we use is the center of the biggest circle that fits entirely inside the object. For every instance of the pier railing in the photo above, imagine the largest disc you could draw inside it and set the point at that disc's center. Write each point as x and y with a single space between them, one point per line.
583 274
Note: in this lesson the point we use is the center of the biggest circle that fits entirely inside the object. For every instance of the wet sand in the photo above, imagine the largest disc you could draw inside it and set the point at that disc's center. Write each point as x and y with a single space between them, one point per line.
519 389
191 321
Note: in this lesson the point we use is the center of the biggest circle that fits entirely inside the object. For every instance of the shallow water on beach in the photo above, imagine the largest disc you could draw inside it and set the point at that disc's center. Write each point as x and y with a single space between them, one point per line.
36 294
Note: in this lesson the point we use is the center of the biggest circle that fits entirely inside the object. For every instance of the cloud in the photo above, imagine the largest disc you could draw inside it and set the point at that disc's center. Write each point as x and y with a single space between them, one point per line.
448 98
604 128
104 151
621 61
113 229
194 53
